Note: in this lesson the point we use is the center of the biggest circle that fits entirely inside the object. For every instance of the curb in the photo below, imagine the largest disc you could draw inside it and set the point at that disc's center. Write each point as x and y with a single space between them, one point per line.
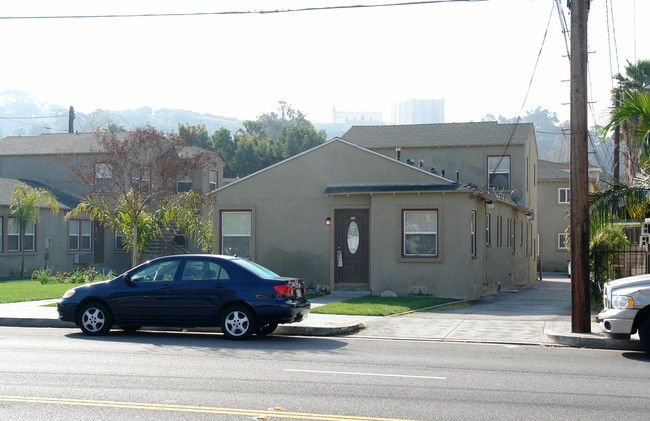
591 340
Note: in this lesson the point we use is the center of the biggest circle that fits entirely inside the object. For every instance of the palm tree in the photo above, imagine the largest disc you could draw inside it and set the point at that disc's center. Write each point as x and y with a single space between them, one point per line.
621 201
635 79
138 223
25 205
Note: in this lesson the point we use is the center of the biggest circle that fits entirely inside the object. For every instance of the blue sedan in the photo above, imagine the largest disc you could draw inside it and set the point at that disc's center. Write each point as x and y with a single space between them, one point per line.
235 294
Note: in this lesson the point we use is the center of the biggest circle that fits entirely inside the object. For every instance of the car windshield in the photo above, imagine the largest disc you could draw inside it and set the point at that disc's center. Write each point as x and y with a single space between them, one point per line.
258 270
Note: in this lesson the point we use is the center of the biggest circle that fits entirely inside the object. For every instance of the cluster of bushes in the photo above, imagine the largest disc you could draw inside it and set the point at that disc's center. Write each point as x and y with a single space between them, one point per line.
78 276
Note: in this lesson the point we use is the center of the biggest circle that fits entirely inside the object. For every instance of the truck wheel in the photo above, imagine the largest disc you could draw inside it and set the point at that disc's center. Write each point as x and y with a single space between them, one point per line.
644 334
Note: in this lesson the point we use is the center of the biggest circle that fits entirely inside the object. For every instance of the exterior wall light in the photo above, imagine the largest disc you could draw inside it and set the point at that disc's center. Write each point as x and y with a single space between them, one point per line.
328 221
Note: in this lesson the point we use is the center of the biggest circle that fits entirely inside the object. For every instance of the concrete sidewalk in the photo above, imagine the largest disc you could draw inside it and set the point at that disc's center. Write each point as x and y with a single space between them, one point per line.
535 314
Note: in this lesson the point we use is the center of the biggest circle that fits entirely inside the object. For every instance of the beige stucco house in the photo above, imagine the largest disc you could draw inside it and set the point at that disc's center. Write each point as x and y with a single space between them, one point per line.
349 218
55 243
554 203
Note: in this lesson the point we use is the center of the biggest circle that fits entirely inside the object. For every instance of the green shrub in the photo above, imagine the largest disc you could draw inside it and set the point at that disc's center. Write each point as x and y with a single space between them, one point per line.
609 239
42 275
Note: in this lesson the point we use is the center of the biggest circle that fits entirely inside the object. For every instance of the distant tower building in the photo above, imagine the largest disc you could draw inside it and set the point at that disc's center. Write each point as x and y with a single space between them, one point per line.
420 111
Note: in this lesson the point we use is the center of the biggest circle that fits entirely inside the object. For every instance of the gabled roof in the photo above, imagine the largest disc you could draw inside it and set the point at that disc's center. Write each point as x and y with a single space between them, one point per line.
66 200
440 135
560 171
436 179
50 144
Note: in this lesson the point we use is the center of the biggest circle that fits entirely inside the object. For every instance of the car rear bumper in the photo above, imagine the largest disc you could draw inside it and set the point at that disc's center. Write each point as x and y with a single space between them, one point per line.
287 312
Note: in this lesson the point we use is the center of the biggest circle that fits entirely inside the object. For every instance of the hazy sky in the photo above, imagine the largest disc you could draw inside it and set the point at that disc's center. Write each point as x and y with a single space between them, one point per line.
478 56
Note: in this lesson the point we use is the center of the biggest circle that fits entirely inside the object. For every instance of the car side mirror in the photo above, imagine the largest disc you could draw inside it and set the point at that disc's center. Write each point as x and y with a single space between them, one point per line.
127 279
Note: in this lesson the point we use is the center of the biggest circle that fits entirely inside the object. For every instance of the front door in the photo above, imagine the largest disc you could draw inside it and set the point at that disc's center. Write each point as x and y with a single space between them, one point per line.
352 254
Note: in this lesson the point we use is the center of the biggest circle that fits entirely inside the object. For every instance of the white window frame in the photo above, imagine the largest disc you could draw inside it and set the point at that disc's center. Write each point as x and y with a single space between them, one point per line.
29 237
102 172
213 184
186 183
496 165
564 195
11 222
419 231
561 241
243 231
82 234
513 235
119 244
472 230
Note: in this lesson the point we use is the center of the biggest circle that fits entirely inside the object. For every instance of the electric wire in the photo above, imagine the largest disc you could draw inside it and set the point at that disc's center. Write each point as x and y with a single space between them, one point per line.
517 121
241 12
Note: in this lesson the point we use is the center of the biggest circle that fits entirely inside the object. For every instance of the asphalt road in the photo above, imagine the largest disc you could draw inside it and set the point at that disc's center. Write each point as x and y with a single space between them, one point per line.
60 374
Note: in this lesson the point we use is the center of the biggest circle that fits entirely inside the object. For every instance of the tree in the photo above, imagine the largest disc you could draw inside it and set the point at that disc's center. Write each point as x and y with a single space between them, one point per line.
134 176
225 146
620 201
196 135
25 205
636 79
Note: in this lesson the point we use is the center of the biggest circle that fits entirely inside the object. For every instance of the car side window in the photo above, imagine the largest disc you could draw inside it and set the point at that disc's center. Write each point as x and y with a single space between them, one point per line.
157 272
203 270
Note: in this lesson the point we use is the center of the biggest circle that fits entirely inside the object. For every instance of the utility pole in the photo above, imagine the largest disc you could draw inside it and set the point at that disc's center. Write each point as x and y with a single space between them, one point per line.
617 139
71 120
580 283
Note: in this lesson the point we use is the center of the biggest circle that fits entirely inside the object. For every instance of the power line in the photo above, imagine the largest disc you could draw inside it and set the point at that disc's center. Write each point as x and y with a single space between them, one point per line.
248 12
33 117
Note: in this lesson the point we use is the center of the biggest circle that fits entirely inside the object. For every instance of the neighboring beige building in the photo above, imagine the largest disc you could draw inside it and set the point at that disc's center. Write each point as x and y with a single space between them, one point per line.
554 202
345 217
55 243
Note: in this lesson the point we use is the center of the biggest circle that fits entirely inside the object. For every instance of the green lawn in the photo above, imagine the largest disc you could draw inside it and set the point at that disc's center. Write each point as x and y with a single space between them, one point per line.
380 306
11 292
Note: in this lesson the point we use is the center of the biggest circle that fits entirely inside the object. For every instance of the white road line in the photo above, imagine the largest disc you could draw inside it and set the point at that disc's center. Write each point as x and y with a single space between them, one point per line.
350 373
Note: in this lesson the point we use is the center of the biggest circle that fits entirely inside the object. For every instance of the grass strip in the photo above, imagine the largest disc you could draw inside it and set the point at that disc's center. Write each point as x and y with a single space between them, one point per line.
379 306
12 292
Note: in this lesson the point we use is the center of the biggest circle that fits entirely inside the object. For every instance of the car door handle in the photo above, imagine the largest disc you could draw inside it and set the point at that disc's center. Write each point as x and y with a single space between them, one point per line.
220 285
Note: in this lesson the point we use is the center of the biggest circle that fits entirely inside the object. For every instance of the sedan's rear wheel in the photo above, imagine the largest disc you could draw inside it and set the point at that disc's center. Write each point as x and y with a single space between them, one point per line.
266 329
238 322
95 319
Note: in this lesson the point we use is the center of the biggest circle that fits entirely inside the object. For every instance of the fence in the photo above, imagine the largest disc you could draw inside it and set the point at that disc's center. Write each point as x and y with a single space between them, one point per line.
614 264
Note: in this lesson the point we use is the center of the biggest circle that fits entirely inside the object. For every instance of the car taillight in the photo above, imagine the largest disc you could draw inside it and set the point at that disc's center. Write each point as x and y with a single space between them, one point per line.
285 290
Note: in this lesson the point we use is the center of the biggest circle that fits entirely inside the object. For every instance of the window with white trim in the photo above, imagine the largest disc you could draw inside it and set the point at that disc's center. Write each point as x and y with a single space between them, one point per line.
103 177
563 195
420 233
498 172
79 235
562 241
472 230
120 245
213 179
184 185
236 233
29 242
13 234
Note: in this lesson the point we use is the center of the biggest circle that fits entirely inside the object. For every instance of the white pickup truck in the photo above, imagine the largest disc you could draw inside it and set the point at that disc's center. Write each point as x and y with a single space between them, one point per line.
626 310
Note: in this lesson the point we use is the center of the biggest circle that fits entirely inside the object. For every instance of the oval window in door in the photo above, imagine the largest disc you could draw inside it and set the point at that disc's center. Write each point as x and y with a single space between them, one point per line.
353 237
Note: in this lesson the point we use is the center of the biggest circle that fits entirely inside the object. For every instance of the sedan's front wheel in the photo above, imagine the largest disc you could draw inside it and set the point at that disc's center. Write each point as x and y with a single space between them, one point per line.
95 319
238 322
